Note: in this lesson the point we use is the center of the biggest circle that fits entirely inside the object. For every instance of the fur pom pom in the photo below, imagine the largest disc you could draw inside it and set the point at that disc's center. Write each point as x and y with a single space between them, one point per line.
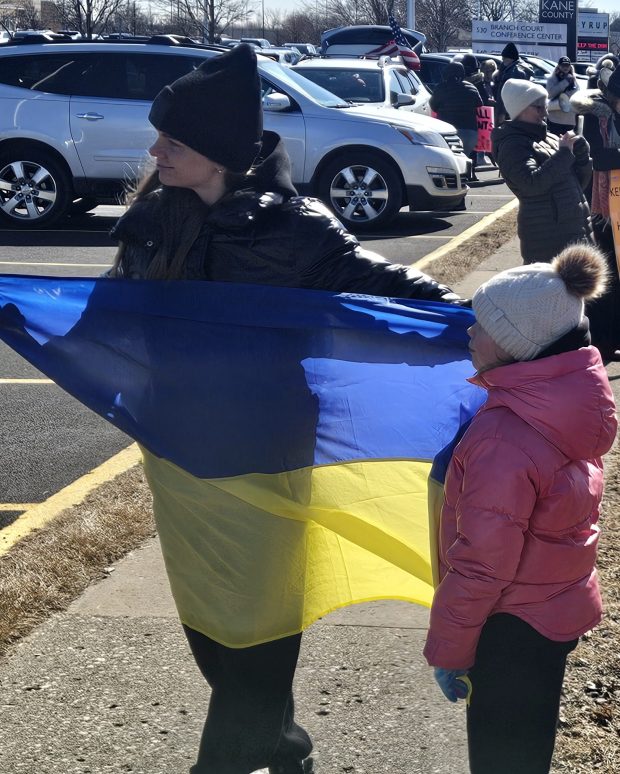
583 269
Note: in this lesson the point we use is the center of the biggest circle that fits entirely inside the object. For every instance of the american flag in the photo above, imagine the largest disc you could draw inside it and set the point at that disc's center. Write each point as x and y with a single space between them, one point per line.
398 45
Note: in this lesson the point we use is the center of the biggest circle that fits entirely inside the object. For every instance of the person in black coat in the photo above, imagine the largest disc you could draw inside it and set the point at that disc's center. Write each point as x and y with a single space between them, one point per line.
489 68
456 101
512 67
220 206
547 174
601 127
474 76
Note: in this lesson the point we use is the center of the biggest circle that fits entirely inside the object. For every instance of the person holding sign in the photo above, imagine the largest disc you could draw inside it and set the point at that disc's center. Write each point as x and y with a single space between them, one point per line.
456 101
548 175
601 127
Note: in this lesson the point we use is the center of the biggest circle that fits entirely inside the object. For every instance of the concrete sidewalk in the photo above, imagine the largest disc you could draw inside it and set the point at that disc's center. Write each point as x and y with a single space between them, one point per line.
109 685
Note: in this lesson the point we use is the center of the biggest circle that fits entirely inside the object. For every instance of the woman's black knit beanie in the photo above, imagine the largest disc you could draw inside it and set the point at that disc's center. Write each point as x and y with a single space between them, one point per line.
216 109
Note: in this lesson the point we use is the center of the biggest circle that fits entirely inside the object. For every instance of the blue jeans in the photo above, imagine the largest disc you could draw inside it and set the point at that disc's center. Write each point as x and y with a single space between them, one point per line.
469 138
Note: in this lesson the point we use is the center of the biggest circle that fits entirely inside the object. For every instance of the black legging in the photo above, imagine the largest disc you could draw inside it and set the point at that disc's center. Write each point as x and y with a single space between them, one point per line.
516 687
250 723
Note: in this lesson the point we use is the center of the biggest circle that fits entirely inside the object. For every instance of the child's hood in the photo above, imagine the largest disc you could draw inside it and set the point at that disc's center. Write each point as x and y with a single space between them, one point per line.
566 397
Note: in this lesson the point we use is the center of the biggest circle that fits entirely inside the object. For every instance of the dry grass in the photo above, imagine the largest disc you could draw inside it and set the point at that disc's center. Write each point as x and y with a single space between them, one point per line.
45 571
457 264
589 735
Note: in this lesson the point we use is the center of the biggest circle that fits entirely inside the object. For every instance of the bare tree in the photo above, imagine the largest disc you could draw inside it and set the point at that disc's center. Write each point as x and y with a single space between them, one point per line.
27 15
89 17
206 19
500 10
442 20
336 13
301 27
22 15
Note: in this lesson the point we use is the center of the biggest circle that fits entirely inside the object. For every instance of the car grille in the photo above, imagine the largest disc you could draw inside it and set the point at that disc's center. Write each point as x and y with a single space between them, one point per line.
454 142
446 181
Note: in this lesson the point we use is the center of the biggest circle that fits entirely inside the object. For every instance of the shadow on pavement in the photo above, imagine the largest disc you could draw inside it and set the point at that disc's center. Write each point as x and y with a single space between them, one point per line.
79 231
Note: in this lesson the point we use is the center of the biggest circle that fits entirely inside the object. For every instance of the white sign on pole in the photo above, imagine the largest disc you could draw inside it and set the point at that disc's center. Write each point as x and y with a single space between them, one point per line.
593 36
537 39
593 25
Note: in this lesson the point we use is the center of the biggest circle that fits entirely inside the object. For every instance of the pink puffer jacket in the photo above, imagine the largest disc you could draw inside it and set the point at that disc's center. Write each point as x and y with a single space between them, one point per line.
519 524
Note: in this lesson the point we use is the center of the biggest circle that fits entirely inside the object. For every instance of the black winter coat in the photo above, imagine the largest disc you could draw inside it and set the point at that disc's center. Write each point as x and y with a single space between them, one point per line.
268 235
517 69
549 183
455 102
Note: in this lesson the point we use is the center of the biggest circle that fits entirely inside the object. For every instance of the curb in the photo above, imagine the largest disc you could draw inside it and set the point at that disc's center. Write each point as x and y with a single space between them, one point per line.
468 234
73 494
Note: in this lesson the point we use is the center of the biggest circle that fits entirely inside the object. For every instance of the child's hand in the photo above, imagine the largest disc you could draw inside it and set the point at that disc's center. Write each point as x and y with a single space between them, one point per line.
451 683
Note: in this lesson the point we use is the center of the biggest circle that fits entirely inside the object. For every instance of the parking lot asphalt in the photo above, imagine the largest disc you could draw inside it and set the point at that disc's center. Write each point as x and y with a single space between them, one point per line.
49 440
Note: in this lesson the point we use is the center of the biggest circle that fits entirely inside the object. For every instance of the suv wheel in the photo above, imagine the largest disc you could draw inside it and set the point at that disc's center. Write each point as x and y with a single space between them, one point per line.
362 189
35 190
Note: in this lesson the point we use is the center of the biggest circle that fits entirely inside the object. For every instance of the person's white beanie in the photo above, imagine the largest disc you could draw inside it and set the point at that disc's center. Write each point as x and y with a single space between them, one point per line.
518 94
525 309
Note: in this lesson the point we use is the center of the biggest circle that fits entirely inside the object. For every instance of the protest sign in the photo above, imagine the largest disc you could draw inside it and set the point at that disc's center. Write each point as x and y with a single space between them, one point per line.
485 119
614 210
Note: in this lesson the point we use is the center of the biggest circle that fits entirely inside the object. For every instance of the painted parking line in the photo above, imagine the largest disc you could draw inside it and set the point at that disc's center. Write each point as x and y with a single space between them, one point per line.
16 506
47 263
470 232
43 513
26 381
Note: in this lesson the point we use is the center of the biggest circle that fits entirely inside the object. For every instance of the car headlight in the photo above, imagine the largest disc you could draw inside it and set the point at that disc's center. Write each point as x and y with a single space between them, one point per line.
422 136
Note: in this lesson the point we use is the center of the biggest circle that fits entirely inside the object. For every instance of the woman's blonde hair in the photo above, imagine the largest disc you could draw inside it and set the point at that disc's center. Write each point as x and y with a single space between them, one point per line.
488 66
181 216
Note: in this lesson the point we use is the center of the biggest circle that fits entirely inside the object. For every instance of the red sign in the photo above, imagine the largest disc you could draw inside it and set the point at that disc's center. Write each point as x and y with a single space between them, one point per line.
485 118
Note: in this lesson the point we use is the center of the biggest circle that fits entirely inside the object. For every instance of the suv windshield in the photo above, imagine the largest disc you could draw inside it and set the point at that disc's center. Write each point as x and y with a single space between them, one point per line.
366 86
300 84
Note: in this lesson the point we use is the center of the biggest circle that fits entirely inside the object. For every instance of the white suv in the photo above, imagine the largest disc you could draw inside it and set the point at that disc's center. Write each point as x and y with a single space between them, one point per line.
74 126
383 82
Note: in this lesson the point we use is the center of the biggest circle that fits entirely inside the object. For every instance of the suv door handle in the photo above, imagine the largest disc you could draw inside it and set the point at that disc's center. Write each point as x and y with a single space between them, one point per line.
90 116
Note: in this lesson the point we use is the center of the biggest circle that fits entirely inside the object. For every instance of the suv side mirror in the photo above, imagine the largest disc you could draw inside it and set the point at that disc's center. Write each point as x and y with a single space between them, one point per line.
276 102
404 99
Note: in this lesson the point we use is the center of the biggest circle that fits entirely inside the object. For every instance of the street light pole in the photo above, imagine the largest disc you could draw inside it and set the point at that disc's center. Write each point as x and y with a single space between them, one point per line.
411 14
263 11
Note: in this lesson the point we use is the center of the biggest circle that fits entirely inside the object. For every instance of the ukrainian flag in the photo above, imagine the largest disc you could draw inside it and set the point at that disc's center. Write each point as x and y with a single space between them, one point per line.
288 434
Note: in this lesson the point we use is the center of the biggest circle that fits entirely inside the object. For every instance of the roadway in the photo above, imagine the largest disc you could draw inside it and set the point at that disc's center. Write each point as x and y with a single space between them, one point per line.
48 439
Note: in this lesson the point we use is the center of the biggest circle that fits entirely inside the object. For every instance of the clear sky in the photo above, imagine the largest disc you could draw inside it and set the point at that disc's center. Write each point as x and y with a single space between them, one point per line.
288 5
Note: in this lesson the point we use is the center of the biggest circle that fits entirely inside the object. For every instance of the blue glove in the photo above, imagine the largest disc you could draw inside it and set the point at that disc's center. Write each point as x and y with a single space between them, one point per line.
452 684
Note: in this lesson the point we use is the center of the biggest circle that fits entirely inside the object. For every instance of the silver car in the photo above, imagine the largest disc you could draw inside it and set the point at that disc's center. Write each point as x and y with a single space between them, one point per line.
383 82
74 132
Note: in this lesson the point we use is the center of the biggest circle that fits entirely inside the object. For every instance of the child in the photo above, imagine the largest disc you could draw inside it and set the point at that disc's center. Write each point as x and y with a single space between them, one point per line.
519 528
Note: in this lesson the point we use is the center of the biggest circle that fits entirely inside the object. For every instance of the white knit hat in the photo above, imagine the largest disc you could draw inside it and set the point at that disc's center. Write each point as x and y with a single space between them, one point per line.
518 94
525 309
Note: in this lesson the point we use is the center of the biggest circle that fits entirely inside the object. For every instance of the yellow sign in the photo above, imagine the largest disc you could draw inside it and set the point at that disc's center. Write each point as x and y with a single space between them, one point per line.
614 210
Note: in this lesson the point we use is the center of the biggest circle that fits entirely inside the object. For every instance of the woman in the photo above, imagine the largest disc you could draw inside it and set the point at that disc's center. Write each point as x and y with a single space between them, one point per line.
601 127
456 101
221 206
474 76
561 85
489 68
511 68
519 523
545 173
